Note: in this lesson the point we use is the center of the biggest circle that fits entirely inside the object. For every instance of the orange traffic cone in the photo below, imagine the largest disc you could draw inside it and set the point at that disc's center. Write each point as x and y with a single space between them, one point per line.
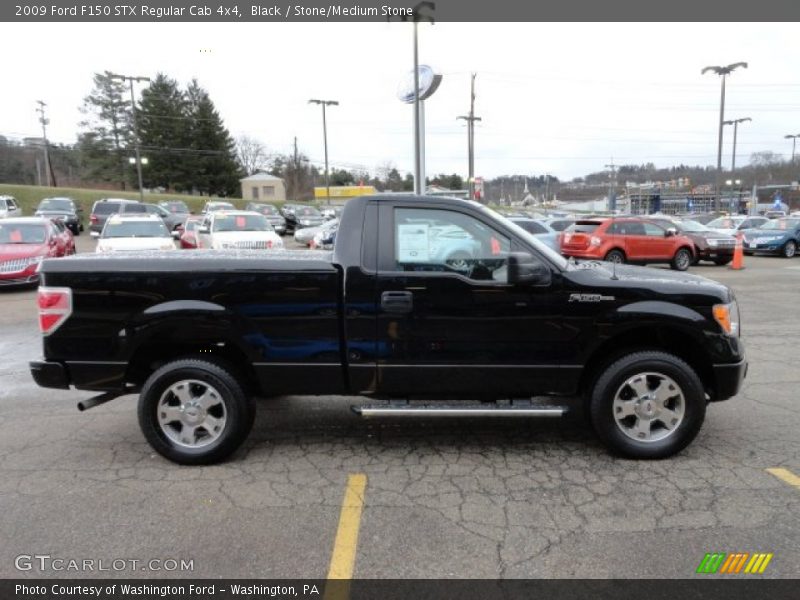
738 253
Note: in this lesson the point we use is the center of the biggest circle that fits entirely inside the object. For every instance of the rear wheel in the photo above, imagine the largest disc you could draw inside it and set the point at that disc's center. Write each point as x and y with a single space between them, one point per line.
458 261
615 256
789 249
682 259
648 405
195 412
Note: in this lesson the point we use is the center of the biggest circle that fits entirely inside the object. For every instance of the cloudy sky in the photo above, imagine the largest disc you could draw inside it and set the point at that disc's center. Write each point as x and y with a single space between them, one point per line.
559 98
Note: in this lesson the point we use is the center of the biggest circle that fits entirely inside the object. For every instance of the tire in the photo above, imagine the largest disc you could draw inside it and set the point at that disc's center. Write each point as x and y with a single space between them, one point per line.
723 261
649 431
682 259
615 256
459 261
208 423
76 231
789 249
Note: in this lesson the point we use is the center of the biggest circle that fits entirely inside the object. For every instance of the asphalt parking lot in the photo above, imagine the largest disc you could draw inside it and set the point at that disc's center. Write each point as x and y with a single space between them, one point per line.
441 499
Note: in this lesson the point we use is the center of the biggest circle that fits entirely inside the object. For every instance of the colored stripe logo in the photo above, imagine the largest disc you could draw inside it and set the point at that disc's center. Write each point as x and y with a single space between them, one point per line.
734 563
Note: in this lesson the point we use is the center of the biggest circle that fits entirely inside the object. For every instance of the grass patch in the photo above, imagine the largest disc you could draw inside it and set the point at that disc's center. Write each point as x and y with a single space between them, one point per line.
29 197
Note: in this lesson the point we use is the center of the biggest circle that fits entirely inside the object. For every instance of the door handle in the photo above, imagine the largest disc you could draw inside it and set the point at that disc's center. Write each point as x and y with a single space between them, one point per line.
397 302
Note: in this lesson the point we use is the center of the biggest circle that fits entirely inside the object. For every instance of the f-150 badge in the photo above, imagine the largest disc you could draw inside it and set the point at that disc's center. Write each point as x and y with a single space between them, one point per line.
589 297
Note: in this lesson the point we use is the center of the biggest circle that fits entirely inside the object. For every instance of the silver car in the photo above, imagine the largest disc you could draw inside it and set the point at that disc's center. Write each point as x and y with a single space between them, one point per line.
9 207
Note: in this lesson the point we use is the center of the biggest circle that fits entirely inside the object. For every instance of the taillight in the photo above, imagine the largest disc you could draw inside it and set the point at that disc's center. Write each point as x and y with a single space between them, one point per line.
55 307
93 218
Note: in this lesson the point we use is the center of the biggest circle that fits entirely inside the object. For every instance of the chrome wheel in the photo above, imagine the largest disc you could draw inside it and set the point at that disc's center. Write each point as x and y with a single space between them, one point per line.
458 263
191 413
682 260
649 407
790 249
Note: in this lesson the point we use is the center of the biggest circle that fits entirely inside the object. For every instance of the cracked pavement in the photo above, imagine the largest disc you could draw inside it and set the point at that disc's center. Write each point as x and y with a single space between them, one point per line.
444 499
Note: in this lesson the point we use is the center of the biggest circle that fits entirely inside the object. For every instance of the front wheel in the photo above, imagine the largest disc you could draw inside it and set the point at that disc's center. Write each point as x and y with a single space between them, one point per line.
648 405
195 412
789 249
682 259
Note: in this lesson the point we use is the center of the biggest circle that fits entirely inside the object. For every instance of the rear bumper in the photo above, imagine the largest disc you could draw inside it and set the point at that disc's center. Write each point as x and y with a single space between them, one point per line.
49 374
728 379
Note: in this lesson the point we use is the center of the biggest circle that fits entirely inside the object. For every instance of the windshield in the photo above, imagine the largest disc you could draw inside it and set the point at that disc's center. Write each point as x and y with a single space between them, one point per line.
781 224
692 226
56 204
531 239
266 209
105 208
175 207
582 227
241 223
724 223
22 233
135 229
307 211
220 206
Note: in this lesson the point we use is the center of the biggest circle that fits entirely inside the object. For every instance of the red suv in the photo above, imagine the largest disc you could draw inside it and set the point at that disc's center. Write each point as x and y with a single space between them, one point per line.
627 239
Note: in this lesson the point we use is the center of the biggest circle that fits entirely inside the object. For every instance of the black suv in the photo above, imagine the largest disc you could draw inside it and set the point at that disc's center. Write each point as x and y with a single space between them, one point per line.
65 210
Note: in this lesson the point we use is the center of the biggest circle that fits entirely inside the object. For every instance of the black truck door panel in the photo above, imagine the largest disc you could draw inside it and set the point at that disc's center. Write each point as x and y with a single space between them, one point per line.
448 319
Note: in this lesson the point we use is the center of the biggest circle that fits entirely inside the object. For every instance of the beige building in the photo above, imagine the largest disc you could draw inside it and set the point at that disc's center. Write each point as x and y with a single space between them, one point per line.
263 187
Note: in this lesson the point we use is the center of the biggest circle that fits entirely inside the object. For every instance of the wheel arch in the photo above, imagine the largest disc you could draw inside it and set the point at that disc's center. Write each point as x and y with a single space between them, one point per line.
659 337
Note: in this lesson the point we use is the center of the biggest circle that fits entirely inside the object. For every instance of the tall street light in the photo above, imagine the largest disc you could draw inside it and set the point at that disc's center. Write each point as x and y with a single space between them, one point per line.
735 123
325 103
131 79
794 142
723 72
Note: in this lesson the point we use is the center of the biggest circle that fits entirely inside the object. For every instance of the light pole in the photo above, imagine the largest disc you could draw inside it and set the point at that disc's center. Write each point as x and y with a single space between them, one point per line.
723 72
325 103
735 123
131 79
418 15
794 142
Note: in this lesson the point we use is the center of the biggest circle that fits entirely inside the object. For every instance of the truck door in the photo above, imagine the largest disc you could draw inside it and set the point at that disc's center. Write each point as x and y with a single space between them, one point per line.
449 322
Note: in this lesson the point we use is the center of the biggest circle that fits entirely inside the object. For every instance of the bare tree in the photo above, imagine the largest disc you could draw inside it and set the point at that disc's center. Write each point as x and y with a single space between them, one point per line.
252 154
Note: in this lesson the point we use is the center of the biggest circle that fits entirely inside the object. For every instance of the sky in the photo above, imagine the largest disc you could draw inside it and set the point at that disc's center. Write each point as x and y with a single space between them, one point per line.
565 99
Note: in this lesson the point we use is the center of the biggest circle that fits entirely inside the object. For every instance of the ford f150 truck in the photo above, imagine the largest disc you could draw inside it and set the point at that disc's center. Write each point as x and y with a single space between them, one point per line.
428 307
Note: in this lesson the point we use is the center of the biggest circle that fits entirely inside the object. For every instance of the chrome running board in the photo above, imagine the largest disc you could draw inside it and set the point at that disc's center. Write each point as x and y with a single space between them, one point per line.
449 410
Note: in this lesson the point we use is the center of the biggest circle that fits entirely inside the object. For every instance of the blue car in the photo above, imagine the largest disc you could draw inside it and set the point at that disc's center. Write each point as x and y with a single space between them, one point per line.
779 236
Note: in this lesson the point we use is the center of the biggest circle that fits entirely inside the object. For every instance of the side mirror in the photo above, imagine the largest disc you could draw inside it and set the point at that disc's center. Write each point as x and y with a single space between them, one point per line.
203 230
524 268
670 232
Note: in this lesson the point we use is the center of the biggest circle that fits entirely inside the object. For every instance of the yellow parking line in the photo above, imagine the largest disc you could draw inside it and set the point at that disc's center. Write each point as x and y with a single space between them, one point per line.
785 475
344 548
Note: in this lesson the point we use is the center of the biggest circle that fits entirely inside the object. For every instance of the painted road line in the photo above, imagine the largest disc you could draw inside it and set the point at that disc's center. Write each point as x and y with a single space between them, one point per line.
343 559
786 476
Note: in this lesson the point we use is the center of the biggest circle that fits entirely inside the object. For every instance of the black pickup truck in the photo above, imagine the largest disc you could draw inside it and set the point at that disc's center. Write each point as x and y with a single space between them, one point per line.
429 307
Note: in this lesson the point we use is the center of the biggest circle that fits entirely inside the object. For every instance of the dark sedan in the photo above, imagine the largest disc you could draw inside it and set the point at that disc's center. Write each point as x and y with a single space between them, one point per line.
271 212
779 236
65 210
708 244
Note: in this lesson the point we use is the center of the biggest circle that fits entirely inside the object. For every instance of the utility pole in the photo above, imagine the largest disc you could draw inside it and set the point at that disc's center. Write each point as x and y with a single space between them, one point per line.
612 186
325 103
470 119
130 79
723 72
48 169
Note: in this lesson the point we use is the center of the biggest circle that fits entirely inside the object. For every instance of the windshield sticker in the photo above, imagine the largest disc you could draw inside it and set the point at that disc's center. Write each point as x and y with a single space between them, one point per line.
413 243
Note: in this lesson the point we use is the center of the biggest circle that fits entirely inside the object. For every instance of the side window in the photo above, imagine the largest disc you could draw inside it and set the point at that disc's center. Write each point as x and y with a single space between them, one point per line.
449 241
152 210
135 208
653 230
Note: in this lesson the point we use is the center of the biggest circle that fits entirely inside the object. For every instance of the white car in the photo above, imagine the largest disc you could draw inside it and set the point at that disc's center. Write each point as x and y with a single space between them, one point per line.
136 232
9 207
735 223
307 234
237 229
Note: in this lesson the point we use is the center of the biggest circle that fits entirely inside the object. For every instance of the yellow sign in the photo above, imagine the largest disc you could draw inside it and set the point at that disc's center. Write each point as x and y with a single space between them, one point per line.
345 191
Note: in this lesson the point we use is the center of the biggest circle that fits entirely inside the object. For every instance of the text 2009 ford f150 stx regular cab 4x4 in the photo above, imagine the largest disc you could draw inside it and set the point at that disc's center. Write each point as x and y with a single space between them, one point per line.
422 298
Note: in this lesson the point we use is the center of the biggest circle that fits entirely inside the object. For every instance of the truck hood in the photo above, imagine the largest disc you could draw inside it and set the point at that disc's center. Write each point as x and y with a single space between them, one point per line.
648 282
131 243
